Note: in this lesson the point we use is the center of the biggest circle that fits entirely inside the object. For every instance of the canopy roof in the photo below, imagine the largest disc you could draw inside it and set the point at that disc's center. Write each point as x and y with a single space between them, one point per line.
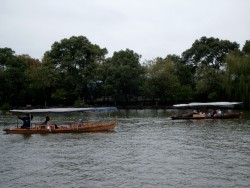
211 104
65 110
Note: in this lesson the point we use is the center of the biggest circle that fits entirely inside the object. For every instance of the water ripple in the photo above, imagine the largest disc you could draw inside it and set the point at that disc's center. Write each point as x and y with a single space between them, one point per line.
147 149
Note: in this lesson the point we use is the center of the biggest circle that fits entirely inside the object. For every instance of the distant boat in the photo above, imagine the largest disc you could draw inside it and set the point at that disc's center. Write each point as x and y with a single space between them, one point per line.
216 114
74 127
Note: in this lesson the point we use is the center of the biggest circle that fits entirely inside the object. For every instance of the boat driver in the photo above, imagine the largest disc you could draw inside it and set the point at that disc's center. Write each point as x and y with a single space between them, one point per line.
26 121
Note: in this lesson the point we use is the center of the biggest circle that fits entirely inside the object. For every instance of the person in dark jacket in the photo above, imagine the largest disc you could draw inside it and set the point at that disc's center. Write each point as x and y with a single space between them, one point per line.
26 121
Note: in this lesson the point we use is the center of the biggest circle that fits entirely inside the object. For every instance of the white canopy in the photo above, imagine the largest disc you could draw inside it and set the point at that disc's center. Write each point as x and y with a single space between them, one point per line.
65 110
218 104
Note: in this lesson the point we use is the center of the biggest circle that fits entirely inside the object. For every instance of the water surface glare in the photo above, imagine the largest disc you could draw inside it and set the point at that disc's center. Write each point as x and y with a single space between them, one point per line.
147 149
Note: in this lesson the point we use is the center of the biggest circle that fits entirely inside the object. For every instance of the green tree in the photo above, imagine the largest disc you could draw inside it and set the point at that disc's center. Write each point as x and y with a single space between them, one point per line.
122 76
76 60
13 83
44 80
6 54
237 78
209 52
6 57
209 84
161 81
246 47
184 74
29 95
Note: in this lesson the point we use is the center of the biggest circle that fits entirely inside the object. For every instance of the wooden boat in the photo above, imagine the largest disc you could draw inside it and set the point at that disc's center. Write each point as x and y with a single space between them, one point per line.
206 116
76 127
213 105
73 128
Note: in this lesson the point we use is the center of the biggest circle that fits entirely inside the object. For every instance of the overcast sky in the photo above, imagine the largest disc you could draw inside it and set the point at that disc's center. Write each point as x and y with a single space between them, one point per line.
152 28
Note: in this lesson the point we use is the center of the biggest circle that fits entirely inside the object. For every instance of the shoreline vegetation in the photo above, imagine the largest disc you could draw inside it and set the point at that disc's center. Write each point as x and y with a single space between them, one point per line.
75 72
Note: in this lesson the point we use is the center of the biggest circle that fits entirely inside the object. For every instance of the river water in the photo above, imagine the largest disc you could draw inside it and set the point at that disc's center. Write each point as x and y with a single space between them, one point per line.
147 149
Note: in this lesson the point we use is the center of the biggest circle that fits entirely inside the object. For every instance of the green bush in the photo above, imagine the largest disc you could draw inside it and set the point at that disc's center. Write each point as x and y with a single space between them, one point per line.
79 103
5 107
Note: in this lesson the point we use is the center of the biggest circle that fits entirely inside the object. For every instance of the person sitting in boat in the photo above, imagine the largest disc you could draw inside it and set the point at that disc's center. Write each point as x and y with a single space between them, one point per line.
219 113
195 111
208 115
26 121
81 120
214 113
46 122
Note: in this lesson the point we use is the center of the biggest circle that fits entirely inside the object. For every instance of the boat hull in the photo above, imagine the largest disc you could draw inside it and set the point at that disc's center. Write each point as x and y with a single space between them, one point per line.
225 116
74 128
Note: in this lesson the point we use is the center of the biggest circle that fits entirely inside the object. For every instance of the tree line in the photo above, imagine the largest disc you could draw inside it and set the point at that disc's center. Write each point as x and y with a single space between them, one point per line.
75 72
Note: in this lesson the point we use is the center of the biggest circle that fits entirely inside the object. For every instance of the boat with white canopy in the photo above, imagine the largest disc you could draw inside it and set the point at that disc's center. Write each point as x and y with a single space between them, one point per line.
215 114
74 127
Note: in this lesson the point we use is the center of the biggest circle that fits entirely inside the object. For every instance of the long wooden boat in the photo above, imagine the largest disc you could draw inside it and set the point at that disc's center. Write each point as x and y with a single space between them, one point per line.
76 127
72 128
212 105
206 116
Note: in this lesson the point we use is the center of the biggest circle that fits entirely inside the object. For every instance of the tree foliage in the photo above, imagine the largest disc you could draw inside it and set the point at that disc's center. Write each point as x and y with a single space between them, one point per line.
161 82
123 75
76 59
237 79
209 84
246 48
45 79
209 52
13 77
76 72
